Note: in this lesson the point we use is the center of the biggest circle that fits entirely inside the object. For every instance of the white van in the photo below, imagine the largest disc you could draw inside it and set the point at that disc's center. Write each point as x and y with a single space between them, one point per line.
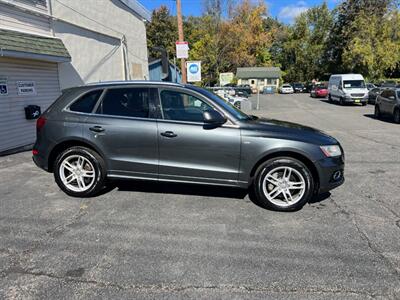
347 88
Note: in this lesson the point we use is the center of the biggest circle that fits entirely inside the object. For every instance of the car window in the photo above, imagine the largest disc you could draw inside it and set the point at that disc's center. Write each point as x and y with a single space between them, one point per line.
182 107
86 103
398 94
126 102
353 84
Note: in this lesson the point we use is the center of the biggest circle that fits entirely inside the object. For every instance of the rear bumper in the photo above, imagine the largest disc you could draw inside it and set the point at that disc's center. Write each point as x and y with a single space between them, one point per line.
331 173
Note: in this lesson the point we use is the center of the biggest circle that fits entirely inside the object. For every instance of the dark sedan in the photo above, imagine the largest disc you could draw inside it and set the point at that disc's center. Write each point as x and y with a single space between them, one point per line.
181 133
373 94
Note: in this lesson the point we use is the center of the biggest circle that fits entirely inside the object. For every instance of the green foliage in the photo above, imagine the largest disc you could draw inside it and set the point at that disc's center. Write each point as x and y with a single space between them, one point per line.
360 36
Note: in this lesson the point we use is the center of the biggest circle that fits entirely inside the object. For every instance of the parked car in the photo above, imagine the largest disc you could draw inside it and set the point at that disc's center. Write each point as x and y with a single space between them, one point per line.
370 86
308 86
372 94
388 84
388 103
245 88
299 87
347 88
319 91
286 89
181 133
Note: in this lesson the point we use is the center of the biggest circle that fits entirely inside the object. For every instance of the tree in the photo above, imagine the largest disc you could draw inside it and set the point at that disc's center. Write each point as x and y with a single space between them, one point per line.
162 31
374 44
306 45
345 16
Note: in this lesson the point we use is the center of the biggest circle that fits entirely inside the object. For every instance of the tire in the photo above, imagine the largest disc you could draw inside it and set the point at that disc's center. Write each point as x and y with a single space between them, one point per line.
364 103
330 98
272 192
377 112
396 116
341 101
83 163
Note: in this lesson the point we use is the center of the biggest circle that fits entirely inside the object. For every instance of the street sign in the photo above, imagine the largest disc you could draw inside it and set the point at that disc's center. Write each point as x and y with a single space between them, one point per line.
182 49
193 71
26 88
3 86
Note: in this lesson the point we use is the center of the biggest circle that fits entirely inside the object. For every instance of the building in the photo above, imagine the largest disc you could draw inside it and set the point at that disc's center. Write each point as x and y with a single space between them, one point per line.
50 45
156 73
259 77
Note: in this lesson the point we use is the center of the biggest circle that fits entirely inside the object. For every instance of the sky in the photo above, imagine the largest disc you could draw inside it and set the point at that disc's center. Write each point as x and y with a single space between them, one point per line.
284 10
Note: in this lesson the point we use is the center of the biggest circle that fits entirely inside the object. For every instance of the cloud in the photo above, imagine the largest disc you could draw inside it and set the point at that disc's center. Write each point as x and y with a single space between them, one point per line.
290 12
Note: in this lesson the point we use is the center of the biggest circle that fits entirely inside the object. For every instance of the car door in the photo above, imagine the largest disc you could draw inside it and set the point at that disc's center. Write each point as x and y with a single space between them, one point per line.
387 101
190 151
124 128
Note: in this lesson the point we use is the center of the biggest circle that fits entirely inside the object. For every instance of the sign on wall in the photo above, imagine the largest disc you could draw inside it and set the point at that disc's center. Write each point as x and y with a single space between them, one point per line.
193 71
225 78
182 49
3 86
26 88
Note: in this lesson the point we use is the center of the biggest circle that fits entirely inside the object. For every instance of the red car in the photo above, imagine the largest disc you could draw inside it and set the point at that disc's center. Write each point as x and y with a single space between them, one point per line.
319 91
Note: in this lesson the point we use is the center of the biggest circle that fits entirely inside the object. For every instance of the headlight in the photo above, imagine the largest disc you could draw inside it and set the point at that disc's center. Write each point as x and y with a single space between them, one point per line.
331 151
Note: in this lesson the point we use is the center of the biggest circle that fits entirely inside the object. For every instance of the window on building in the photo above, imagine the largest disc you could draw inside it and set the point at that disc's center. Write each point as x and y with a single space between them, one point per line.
253 81
126 102
182 107
87 102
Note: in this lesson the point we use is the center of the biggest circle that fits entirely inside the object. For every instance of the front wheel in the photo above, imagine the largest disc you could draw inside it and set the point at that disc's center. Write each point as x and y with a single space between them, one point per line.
80 172
283 184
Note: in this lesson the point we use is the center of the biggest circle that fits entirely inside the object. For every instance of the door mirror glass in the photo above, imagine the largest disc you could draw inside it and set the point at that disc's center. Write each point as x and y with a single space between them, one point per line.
212 117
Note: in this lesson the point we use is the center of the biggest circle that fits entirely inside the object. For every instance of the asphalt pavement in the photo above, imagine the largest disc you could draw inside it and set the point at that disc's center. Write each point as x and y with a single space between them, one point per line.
147 240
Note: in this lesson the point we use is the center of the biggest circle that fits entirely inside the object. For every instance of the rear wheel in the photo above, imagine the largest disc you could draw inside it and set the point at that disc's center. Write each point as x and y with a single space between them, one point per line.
396 116
377 112
80 172
283 184
329 98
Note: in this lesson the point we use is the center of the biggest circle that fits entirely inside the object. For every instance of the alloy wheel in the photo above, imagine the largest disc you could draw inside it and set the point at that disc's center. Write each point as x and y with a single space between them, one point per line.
284 186
77 173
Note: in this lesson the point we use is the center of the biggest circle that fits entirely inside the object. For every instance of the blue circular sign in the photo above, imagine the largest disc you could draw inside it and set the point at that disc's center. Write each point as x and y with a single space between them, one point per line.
193 68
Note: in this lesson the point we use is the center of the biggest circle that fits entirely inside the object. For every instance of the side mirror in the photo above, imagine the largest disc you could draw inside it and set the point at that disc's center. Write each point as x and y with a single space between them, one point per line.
212 117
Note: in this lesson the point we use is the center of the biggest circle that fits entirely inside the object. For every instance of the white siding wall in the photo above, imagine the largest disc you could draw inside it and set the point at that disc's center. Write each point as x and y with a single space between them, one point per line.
112 18
15 19
15 130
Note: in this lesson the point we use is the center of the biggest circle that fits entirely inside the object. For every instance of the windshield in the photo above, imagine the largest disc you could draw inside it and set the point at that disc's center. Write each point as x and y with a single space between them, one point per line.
286 86
237 113
353 84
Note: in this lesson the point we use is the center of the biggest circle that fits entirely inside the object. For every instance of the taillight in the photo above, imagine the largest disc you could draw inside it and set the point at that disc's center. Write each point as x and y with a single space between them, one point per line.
40 123
35 152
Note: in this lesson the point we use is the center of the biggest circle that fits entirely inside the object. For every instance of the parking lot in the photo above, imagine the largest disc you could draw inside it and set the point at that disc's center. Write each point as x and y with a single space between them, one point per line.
147 240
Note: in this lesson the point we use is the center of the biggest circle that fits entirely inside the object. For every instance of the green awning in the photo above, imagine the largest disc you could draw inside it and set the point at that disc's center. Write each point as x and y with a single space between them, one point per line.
23 45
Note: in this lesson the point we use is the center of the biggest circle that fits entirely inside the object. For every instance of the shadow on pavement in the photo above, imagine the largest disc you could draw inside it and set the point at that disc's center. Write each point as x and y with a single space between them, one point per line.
382 119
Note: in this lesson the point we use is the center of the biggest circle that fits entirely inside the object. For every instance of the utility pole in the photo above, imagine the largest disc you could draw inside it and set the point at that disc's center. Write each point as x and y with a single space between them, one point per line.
181 37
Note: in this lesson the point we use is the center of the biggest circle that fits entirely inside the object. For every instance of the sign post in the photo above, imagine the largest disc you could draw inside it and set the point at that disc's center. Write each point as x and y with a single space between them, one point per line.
193 71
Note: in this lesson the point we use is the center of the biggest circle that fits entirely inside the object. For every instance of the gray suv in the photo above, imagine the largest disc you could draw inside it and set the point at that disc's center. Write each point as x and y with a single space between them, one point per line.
181 133
388 103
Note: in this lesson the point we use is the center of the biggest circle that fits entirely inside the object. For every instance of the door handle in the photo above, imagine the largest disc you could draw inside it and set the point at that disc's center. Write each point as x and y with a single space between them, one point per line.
169 134
97 129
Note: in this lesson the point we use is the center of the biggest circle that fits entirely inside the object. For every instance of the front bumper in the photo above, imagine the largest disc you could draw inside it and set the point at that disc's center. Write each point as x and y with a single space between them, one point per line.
355 100
328 169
